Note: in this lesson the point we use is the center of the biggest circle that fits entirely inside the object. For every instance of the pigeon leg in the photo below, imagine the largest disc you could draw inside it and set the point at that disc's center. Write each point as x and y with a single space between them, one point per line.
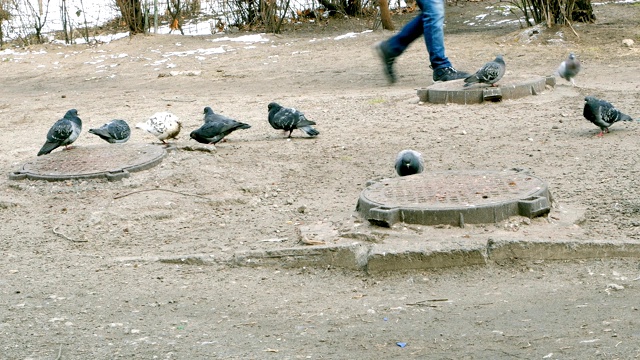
573 82
605 130
290 132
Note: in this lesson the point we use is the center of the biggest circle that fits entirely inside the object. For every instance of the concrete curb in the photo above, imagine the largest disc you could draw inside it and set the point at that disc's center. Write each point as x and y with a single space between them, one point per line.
375 258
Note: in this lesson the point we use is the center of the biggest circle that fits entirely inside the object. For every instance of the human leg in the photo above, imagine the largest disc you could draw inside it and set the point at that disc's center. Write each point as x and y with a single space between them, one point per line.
430 25
432 12
391 48
433 25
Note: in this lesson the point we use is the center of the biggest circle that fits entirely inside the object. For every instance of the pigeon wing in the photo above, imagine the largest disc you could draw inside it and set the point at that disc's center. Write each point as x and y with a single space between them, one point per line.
60 131
490 73
117 131
57 136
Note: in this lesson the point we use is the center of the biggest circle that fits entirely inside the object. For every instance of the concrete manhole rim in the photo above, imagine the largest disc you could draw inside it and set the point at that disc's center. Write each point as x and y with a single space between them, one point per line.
422 199
153 155
510 87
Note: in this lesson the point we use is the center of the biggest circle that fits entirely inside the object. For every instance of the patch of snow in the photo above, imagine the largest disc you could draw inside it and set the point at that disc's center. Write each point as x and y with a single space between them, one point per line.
244 38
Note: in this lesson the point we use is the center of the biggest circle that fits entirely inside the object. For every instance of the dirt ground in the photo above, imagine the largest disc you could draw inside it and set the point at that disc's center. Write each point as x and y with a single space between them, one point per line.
66 295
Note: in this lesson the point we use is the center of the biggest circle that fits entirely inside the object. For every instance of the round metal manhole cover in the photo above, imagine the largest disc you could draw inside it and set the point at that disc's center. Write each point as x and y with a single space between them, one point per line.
111 161
454 198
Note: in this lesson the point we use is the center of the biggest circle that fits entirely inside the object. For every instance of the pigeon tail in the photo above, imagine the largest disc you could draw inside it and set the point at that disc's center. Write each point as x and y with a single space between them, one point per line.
473 79
102 133
310 131
48 147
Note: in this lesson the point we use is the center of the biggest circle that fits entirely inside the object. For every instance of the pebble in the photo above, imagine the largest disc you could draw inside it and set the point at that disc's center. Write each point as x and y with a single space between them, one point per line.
628 43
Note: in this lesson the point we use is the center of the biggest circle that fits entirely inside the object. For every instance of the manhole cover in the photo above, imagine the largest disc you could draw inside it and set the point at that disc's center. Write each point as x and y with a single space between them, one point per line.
454 198
112 161
511 87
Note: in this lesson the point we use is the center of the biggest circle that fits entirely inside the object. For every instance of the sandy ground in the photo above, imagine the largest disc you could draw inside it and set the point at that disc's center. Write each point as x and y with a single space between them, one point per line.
65 289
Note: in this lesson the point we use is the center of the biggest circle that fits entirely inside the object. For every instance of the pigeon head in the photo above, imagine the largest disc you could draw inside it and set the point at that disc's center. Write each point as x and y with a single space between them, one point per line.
207 111
590 99
409 162
572 56
499 59
71 113
194 134
273 105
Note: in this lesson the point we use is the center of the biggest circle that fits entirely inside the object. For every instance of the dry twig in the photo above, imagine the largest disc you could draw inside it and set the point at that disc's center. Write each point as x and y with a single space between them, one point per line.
59 353
167 190
65 236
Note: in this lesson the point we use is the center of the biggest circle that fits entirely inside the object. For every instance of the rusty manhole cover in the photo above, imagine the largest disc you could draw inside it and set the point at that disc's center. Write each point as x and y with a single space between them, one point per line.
111 161
454 198
510 87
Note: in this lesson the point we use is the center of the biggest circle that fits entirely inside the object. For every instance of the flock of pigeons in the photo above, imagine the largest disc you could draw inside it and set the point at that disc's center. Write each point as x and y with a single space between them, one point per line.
165 126
599 112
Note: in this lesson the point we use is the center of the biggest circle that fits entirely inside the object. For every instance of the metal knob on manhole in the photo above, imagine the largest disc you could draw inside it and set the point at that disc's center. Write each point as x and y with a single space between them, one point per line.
110 161
454 198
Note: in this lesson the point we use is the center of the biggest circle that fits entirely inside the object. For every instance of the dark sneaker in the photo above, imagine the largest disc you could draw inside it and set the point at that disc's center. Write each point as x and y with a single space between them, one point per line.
448 74
387 61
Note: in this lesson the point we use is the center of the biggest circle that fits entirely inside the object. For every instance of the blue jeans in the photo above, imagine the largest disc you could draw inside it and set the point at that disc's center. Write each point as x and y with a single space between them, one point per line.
428 24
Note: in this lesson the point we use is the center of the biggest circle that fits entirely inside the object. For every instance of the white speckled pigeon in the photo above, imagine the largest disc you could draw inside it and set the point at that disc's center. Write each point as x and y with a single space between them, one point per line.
289 119
409 162
602 113
115 132
216 127
490 73
569 68
63 132
163 125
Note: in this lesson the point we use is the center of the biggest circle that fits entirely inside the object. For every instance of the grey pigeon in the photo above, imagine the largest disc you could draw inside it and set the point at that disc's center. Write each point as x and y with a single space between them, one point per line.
490 73
114 132
210 116
163 125
216 127
409 162
289 119
602 113
63 132
569 68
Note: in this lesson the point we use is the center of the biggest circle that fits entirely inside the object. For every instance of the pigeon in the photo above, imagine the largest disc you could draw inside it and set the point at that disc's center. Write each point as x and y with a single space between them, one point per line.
602 114
163 125
63 132
569 68
115 132
409 162
289 119
490 73
215 127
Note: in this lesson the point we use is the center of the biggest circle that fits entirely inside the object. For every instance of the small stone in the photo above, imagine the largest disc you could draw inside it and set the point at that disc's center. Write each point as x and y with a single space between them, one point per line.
615 287
302 209
628 43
